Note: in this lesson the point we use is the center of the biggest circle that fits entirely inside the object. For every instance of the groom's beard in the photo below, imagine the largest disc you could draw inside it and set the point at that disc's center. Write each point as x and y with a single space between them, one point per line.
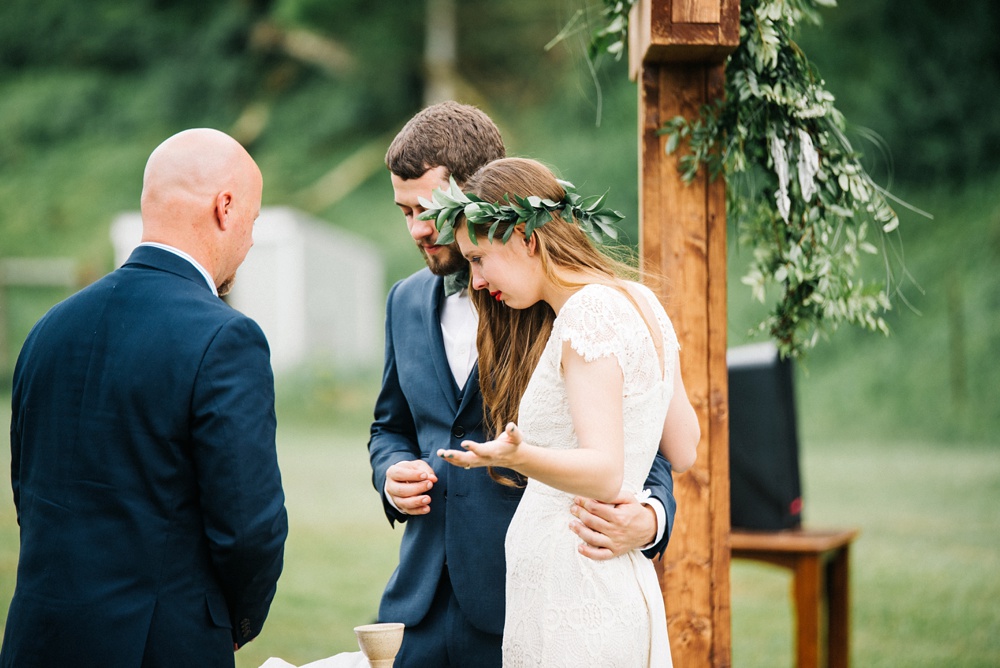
446 261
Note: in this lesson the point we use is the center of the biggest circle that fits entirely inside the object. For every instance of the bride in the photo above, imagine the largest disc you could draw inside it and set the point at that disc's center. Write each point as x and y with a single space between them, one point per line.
580 378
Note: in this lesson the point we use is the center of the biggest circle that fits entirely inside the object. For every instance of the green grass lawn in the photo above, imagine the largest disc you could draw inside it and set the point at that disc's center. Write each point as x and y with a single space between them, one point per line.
925 570
340 550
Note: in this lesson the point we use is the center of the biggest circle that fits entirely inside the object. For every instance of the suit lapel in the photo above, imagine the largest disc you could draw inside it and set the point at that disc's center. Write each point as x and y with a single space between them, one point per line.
432 321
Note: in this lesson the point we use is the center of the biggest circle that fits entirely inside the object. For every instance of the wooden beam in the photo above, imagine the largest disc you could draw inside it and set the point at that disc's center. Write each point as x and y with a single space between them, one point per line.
695 11
683 239
676 51
701 31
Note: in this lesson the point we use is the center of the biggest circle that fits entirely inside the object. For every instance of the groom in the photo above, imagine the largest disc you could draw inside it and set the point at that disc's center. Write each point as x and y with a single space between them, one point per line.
449 586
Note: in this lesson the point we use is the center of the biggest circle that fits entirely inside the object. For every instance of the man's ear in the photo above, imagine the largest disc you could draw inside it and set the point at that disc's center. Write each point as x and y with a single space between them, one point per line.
223 202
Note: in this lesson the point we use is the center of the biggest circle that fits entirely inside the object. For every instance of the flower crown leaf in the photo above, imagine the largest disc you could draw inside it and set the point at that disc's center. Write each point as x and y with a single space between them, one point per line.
445 206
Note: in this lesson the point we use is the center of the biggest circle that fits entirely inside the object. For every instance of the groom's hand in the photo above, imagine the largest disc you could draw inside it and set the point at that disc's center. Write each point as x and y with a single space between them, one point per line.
407 484
612 529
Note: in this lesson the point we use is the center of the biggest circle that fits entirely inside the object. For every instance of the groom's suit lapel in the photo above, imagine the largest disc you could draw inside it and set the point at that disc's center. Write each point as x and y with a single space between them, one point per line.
432 321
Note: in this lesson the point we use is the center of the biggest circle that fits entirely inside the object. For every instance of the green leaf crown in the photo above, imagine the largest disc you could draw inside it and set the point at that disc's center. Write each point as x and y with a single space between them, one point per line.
445 206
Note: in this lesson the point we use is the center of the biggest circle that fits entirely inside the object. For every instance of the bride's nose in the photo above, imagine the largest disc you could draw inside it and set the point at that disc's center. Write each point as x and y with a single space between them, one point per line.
478 282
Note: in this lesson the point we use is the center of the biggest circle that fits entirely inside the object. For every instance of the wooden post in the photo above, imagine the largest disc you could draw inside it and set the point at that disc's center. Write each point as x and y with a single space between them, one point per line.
676 49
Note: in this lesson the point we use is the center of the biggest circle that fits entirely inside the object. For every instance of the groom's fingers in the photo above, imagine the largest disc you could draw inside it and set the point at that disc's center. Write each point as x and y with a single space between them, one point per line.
626 523
608 526
407 483
593 514
594 543
410 471
410 501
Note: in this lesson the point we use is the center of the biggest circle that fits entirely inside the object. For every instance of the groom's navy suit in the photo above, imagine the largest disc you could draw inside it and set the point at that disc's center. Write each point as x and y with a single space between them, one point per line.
419 410
145 476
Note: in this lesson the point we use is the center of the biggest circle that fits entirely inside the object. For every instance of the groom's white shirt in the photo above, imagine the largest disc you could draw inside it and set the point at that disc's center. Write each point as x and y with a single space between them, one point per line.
459 322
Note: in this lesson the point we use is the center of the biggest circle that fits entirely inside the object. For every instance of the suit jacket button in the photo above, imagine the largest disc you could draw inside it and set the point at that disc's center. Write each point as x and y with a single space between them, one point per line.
458 432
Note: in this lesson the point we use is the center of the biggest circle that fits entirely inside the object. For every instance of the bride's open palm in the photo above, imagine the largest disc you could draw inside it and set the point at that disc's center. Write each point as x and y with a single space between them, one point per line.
500 452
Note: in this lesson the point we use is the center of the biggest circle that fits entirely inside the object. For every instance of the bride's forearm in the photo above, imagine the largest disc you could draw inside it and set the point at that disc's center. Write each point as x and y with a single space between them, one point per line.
582 471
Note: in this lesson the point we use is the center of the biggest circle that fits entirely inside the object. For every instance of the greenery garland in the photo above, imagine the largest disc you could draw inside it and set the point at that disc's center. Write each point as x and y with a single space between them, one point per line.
797 191
613 37
445 206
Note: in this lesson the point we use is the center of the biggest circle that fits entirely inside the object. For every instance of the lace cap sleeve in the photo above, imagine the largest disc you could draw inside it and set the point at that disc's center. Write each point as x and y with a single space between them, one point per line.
593 320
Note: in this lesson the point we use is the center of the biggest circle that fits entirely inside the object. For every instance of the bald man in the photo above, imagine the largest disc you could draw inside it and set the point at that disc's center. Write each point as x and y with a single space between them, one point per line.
143 458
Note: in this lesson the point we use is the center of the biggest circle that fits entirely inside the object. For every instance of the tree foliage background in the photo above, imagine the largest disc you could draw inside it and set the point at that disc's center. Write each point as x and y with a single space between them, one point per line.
87 90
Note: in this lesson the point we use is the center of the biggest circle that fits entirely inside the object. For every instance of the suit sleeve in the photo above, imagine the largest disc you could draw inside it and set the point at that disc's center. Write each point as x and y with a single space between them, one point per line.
236 464
660 484
15 463
393 436
15 432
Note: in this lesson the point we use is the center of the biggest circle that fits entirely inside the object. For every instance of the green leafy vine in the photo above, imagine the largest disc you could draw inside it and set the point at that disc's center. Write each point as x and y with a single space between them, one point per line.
796 189
612 38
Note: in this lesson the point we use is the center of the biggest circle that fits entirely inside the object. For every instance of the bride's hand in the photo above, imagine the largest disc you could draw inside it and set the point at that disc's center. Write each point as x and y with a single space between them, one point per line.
501 451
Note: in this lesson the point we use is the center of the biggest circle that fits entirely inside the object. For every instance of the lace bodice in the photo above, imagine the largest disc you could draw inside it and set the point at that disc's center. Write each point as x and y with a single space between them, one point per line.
600 321
564 609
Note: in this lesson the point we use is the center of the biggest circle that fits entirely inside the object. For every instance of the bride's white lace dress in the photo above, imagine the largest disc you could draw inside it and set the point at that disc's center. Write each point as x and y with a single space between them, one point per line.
564 609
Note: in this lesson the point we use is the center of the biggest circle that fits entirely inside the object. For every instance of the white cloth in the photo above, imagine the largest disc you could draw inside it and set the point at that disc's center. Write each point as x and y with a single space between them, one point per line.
342 660
562 608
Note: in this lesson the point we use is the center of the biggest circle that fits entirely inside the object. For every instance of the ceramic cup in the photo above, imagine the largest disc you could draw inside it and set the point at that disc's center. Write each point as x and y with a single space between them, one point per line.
380 642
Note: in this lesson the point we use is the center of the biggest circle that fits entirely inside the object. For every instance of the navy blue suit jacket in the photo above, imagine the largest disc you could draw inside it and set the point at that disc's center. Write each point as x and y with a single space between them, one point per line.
419 410
145 476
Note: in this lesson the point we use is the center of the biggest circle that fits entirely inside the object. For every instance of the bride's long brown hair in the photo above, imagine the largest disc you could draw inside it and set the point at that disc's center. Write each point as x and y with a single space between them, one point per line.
510 341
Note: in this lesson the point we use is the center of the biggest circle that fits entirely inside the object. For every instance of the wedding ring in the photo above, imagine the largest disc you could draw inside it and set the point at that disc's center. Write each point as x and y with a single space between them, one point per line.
468 466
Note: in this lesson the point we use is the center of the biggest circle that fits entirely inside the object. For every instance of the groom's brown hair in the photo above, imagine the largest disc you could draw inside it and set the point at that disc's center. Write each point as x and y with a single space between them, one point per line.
459 137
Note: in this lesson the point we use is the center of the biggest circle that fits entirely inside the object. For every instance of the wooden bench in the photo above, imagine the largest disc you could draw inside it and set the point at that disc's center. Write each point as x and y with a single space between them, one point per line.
820 562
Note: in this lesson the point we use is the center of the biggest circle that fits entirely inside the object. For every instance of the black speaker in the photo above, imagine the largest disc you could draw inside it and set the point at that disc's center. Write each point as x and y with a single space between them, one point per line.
765 487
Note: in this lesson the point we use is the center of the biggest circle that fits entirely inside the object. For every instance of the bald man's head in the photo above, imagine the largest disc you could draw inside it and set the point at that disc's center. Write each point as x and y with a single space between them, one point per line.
201 193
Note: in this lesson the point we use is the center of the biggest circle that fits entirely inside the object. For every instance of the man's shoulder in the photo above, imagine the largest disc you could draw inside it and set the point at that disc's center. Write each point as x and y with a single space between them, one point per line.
422 277
417 283
159 295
